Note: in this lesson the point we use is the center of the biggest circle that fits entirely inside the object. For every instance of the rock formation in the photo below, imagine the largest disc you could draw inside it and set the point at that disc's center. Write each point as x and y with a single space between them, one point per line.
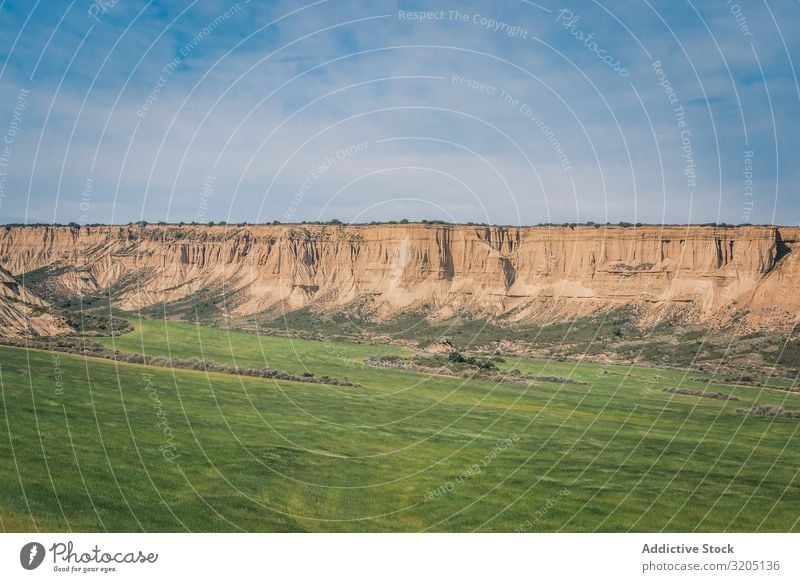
441 346
23 314
709 275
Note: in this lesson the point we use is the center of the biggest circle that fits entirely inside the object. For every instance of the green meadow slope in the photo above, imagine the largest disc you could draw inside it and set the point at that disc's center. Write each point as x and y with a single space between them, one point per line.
92 445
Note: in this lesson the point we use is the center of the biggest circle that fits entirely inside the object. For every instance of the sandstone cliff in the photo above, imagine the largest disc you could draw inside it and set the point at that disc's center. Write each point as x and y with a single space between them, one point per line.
23 314
709 275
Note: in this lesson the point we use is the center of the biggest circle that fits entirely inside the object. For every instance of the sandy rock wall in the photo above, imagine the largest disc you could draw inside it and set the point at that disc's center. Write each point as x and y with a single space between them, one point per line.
22 314
531 273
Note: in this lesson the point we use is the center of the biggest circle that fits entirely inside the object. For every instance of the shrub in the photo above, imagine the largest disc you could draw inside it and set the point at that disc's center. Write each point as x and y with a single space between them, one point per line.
770 410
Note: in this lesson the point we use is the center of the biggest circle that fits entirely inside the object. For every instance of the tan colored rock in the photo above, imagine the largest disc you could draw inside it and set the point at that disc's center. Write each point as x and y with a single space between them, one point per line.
23 314
713 275
441 346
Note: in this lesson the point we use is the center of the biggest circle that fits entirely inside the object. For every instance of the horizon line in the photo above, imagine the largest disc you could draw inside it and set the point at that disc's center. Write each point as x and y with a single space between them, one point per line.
402 222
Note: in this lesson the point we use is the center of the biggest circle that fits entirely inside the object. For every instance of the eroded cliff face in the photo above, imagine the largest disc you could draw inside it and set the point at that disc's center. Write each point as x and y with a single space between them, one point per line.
714 275
23 314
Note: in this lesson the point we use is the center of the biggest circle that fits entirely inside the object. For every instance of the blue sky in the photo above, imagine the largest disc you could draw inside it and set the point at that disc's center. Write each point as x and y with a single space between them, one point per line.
510 112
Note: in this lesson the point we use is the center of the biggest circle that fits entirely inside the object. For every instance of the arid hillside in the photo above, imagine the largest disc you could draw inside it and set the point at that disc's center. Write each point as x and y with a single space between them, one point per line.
718 276
22 314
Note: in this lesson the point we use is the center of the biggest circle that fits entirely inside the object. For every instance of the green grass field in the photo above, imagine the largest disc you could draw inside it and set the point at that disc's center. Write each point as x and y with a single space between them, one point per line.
91 445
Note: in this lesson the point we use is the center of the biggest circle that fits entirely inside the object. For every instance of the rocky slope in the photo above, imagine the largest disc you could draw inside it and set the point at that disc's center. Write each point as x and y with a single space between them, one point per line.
720 276
23 314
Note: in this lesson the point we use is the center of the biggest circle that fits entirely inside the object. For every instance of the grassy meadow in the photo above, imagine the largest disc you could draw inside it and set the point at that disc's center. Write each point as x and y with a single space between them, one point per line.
94 445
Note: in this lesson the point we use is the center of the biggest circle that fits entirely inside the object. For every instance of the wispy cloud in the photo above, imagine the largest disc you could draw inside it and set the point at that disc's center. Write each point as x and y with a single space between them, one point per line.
463 119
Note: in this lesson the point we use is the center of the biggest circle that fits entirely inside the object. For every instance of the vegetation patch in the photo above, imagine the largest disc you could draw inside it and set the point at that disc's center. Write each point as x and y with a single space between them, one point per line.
458 365
770 410
86 347
208 305
92 324
700 393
